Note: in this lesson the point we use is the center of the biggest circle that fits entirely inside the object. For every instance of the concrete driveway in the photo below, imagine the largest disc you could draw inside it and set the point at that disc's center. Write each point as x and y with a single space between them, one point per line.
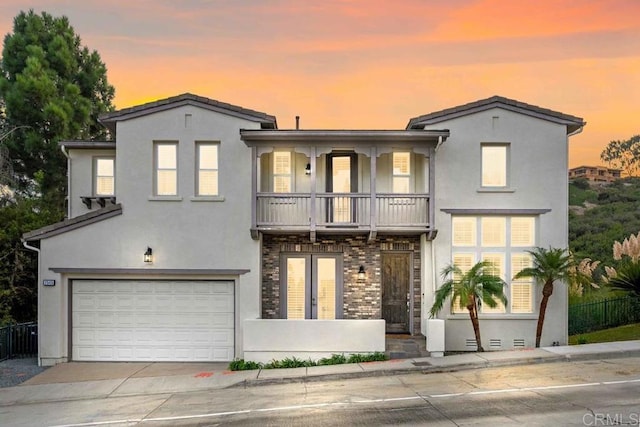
73 372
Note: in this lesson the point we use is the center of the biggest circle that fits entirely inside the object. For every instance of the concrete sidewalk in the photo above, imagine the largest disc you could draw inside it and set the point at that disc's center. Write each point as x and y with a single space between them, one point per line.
87 380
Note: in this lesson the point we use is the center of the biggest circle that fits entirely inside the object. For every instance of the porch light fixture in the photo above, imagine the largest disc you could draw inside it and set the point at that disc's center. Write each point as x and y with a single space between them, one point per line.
361 273
307 170
148 255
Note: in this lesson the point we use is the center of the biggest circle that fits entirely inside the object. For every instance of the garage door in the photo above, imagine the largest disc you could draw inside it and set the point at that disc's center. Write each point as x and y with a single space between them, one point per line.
136 320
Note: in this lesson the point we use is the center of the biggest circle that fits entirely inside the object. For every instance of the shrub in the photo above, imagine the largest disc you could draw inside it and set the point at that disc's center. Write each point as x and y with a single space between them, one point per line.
244 365
293 362
372 357
335 359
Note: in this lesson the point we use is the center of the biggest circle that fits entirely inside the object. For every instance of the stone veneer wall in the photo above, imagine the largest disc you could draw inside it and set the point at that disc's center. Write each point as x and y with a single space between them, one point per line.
362 300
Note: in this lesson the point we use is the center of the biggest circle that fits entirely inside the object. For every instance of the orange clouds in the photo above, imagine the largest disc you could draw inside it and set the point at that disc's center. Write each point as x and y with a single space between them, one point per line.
373 64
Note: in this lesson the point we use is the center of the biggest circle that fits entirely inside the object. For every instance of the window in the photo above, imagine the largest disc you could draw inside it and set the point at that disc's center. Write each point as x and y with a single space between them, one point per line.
104 184
497 269
311 286
166 162
464 231
494 165
464 261
503 241
282 172
493 231
401 172
522 289
207 178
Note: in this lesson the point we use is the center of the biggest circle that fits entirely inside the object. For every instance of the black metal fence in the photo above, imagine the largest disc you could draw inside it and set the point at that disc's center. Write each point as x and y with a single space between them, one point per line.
18 341
608 313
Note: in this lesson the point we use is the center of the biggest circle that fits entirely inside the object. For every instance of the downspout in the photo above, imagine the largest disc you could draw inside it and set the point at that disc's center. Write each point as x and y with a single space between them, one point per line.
566 224
64 151
37 250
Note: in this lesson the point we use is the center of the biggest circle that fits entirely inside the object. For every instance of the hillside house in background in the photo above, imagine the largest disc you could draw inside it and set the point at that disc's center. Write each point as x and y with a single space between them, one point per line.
202 232
595 174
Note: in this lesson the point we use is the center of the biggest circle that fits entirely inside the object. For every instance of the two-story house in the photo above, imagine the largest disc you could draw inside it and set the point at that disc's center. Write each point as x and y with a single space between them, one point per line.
202 232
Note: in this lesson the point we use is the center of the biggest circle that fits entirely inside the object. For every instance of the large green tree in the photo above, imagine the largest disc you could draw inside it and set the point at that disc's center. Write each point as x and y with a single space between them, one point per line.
52 88
55 88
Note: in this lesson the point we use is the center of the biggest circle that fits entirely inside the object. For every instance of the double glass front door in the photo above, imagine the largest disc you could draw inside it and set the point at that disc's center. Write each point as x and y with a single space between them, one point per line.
311 286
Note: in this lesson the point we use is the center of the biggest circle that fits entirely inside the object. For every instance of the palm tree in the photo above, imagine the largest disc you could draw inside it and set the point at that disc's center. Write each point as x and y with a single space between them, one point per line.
470 290
549 265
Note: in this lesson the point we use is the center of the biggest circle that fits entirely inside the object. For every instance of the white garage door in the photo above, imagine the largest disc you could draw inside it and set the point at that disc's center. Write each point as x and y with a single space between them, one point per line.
136 320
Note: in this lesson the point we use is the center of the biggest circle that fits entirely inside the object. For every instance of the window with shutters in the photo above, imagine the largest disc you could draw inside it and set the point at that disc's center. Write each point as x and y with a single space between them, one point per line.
521 297
401 172
282 172
464 261
503 241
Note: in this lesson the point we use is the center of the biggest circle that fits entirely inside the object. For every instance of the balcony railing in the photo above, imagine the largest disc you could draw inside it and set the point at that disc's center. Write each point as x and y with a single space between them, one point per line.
324 211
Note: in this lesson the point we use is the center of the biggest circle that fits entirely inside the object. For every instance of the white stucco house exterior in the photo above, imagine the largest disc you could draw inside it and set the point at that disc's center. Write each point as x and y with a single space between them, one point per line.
202 232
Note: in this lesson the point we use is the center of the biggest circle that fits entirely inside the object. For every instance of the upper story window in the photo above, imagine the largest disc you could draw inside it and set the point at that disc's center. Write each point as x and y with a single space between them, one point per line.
207 166
401 172
166 168
104 182
503 241
282 168
494 165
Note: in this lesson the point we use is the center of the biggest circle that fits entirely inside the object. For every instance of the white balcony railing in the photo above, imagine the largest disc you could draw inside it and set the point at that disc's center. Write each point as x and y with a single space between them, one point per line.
294 210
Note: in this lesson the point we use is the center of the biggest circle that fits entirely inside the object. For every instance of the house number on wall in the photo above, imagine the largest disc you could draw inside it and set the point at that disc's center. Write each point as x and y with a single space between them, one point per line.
48 283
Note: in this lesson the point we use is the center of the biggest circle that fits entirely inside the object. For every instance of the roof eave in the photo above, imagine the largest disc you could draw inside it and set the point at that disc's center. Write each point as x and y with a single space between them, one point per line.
305 137
110 119
574 124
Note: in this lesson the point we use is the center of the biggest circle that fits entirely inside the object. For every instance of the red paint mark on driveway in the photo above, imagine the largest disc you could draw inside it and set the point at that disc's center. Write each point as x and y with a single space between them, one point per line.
204 375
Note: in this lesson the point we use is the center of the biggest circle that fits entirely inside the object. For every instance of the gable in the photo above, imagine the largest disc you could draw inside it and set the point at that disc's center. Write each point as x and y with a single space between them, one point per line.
110 119
573 124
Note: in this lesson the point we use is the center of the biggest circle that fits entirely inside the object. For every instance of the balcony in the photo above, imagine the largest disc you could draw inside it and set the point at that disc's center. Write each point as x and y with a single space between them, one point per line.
342 213
331 182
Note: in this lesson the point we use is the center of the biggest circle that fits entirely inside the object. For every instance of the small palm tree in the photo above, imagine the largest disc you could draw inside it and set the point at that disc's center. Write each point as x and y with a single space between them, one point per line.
627 278
470 290
549 265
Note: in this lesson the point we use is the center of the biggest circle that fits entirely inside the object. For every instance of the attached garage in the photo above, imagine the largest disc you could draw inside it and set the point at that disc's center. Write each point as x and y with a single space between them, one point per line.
152 320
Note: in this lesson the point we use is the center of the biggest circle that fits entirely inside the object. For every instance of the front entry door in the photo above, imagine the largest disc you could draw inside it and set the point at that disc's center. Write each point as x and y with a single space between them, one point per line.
311 286
396 291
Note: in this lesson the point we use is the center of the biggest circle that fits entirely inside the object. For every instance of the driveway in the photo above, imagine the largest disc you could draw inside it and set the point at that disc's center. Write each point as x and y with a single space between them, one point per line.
73 372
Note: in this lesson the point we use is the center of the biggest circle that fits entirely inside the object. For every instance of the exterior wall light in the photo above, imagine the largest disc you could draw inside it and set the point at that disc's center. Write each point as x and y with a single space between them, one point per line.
361 275
307 170
148 255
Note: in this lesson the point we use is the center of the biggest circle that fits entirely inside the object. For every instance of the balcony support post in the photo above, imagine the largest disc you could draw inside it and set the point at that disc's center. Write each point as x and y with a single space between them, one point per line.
374 203
432 187
254 192
312 203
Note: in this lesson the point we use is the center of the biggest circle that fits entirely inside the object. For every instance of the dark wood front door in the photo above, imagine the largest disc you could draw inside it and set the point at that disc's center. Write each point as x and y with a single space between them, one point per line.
396 292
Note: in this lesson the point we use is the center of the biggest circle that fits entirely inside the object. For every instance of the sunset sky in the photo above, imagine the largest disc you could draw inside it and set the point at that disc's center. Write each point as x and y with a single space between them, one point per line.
371 64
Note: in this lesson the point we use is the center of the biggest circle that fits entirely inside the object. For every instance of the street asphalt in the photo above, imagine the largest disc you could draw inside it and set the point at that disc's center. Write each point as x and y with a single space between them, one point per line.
88 380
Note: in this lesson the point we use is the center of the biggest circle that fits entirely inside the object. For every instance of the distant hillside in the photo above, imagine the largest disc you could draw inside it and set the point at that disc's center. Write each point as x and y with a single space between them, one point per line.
600 215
